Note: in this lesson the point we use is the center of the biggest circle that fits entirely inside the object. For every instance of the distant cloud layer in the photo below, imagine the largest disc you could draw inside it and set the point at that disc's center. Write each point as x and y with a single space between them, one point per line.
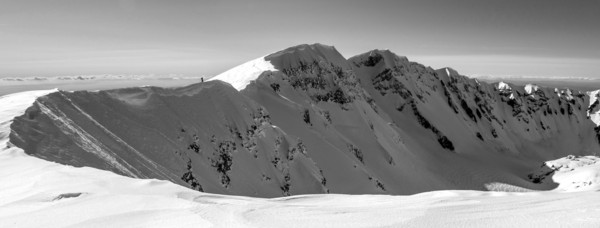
98 77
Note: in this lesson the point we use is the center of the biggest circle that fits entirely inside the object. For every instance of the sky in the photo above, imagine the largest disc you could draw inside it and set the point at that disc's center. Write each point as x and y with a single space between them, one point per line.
204 38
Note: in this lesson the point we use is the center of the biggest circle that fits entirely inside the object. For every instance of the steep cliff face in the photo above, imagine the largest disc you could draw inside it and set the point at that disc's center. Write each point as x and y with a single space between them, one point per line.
307 120
433 129
529 120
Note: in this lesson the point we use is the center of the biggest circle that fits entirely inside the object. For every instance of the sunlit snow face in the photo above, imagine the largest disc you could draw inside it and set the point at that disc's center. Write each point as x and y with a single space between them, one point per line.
239 77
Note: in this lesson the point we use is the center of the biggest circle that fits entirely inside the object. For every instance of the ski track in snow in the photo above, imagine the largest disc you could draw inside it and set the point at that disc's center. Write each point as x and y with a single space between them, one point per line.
146 160
85 140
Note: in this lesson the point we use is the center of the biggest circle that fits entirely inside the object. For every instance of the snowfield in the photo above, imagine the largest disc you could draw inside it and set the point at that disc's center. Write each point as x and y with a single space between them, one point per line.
239 77
36 192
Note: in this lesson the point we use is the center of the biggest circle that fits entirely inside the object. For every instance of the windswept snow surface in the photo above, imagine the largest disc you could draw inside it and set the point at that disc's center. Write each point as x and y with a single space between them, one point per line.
35 193
239 77
38 193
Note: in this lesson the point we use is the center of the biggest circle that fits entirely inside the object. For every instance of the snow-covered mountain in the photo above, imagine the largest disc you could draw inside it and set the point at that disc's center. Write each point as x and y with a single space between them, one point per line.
307 120
36 192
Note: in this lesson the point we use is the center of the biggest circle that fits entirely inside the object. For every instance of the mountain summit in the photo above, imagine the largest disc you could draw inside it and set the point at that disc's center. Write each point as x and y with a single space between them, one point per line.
285 60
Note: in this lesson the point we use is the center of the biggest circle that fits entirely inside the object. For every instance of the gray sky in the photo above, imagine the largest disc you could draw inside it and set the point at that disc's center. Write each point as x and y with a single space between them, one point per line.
508 37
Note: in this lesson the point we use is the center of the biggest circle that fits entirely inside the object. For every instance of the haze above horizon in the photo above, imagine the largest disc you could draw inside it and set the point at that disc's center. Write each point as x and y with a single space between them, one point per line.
71 37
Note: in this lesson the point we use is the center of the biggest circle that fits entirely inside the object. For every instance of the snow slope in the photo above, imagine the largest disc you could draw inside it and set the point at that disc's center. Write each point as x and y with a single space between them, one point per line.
35 192
39 193
239 77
